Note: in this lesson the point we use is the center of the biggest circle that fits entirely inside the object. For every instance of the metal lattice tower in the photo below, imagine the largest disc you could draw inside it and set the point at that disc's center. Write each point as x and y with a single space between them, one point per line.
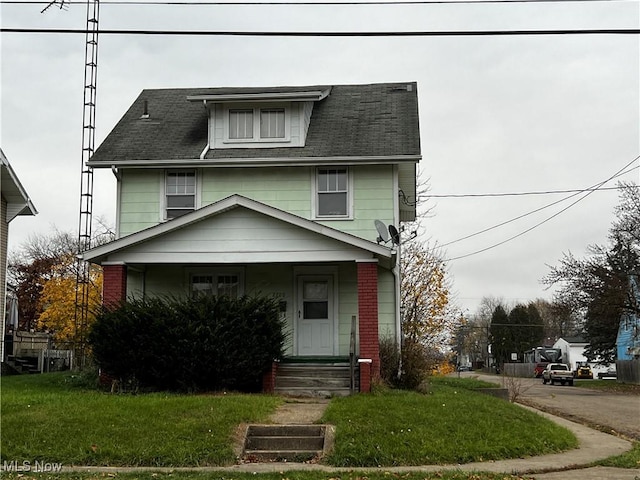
83 278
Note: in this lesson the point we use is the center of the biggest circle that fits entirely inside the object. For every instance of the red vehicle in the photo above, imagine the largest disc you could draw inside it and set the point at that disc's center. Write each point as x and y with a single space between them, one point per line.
541 357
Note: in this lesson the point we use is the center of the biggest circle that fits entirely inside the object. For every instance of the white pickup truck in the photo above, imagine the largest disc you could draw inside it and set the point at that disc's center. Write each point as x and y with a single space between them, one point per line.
557 372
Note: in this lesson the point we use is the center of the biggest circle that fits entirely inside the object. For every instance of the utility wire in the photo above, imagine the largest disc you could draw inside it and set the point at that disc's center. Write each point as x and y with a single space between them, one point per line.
593 188
518 194
237 33
587 192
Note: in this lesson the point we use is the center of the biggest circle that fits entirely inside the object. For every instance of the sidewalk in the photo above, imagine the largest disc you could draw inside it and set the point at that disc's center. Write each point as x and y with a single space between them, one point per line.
594 445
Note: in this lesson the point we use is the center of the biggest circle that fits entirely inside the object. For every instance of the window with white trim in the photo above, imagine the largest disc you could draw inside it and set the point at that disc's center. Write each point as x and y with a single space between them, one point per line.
240 124
268 124
272 123
229 284
332 192
180 193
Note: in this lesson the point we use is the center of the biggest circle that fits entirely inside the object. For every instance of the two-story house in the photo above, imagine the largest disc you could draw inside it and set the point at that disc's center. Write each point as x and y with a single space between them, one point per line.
268 191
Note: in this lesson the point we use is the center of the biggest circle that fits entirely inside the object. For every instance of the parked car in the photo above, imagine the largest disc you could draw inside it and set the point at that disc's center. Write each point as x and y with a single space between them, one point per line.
557 372
464 368
609 373
583 370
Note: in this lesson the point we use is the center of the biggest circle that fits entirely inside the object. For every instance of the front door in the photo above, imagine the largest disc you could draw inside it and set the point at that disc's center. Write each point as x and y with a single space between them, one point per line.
315 315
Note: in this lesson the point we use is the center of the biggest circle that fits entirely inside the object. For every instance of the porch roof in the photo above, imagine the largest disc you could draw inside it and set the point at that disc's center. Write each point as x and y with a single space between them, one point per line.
238 230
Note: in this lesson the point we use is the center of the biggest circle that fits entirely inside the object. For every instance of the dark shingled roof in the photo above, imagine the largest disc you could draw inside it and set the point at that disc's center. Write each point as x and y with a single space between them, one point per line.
354 120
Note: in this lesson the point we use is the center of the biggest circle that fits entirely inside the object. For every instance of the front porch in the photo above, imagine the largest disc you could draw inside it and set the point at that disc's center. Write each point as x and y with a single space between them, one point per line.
337 292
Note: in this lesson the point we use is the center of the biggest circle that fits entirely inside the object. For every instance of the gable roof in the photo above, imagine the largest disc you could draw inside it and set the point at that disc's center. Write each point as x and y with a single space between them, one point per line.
18 201
193 238
577 339
373 120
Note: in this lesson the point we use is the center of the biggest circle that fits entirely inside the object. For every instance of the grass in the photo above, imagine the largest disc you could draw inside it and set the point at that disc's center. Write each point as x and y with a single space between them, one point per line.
293 475
630 459
611 386
45 418
450 425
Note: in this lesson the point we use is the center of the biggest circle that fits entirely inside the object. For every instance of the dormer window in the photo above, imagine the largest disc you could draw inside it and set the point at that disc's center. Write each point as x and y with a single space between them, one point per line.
272 123
255 125
240 124
250 118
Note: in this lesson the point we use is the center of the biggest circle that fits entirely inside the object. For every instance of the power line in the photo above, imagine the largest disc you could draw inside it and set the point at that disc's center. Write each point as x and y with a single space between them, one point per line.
238 33
519 194
587 192
591 189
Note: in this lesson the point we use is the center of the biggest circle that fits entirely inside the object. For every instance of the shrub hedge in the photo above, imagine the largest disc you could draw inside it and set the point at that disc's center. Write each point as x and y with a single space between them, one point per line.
189 344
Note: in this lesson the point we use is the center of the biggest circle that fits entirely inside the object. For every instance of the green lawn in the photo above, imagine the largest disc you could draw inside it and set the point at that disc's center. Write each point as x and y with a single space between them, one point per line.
45 418
382 475
449 425
609 386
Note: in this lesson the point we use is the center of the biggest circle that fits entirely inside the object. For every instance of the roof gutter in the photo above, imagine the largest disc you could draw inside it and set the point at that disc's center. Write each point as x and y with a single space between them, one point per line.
258 161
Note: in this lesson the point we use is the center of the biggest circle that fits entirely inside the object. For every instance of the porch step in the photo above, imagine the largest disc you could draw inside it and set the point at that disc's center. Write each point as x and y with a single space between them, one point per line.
314 379
277 443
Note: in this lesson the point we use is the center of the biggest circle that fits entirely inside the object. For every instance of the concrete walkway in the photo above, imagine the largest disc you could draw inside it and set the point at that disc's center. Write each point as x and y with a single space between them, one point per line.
571 465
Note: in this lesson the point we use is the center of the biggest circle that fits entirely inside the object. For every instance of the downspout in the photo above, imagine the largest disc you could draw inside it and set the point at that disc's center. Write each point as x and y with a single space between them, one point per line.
208 145
118 176
397 270
397 273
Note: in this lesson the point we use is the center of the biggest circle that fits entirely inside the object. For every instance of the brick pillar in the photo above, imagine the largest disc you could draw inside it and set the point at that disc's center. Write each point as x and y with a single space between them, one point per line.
114 285
368 321
365 376
269 379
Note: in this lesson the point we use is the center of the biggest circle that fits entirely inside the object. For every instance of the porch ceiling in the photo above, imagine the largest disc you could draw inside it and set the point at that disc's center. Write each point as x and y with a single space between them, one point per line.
239 230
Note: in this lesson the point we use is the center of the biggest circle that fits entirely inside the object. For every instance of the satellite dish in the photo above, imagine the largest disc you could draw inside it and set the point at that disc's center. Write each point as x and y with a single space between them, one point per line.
395 236
383 236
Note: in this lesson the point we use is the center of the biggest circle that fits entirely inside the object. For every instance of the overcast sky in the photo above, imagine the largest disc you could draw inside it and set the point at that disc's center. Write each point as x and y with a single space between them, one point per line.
498 114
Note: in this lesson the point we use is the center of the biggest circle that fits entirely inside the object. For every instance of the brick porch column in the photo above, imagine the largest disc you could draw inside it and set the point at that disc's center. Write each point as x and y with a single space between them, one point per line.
368 321
269 379
114 285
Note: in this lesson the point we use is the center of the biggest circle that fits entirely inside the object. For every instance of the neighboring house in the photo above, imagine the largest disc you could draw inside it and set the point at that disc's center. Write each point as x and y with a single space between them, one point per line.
572 350
14 202
628 338
268 191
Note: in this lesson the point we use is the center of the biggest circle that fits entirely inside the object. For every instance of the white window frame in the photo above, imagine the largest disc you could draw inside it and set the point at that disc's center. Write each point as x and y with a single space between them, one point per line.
164 203
316 193
256 123
215 273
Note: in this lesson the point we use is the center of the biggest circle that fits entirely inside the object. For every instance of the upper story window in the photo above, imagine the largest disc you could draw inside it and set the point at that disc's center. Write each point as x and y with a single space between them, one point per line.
272 123
257 125
332 192
240 124
180 193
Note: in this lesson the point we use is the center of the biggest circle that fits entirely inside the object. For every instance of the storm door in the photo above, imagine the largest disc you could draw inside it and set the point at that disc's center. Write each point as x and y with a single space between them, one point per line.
315 317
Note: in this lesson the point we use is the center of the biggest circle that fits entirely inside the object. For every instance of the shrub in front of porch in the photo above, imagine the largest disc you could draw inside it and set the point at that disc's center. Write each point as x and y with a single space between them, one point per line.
189 344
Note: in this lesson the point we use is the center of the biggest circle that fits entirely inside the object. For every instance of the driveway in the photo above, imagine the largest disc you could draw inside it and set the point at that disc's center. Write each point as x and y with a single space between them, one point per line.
610 412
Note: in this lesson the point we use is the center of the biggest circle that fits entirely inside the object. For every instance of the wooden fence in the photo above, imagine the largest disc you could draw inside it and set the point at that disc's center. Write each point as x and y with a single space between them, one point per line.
628 371
519 369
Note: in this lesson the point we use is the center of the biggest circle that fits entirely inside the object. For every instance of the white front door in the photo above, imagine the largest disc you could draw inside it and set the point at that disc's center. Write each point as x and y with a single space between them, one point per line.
315 315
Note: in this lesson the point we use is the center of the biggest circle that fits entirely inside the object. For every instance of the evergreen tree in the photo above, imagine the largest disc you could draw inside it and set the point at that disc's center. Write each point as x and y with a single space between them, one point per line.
501 340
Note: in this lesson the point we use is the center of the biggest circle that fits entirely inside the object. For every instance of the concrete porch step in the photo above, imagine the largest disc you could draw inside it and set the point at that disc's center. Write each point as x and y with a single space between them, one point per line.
291 443
314 379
